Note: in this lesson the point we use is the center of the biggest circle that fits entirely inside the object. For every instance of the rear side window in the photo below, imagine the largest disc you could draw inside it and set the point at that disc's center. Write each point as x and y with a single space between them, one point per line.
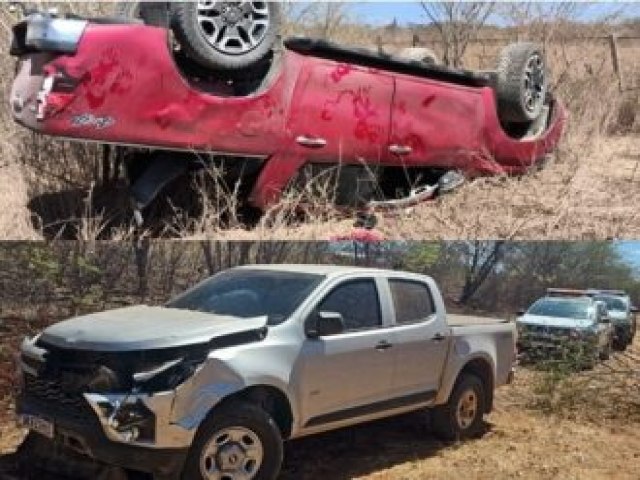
412 301
357 302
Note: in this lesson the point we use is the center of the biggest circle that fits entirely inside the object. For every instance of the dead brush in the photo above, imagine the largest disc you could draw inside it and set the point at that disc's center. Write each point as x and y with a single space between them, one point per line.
609 392
310 201
217 202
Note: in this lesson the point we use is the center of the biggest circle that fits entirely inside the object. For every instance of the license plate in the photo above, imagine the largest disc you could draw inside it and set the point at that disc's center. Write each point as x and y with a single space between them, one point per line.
37 424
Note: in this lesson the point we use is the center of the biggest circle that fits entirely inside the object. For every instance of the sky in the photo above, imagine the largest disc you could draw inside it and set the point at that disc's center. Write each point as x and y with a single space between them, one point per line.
630 252
381 13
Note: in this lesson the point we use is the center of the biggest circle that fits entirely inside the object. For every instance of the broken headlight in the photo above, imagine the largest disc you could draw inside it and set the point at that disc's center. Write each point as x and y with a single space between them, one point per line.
131 421
166 376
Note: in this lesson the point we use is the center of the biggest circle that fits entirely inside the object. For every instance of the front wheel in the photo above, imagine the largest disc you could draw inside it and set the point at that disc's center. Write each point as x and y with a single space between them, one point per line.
239 441
606 352
461 416
227 36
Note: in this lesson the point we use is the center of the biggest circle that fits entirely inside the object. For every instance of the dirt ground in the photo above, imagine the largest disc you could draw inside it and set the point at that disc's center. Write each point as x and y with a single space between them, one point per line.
591 438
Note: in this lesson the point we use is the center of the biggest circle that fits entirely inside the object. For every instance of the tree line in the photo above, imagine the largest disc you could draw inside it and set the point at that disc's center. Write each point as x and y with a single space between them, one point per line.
498 277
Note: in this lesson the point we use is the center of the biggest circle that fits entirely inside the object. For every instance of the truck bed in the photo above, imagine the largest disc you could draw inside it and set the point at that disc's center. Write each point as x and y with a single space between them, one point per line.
467 320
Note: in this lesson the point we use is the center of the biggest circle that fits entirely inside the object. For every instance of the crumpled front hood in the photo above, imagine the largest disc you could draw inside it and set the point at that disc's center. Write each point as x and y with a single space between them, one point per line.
143 328
553 322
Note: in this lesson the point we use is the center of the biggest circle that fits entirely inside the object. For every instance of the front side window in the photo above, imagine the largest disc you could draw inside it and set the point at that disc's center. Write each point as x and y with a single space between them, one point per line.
613 303
357 302
246 293
412 301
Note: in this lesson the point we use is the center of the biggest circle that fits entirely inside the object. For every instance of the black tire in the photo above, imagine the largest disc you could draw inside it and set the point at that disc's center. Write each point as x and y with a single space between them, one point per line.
620 345
521 72
152 13
606 353
247 416
193 40
445 421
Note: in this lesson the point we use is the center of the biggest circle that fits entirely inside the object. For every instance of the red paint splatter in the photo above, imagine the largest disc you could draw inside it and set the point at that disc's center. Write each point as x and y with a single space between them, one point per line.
340 72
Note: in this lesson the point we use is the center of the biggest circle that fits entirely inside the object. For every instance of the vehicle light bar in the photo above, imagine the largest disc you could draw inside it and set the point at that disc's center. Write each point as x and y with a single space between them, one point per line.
568 292
596 291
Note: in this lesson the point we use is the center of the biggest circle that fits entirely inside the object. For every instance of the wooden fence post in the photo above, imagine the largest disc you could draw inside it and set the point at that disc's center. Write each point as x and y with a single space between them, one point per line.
615 60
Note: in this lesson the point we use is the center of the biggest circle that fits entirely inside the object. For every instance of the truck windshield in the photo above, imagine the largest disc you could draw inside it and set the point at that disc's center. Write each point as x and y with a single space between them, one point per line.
613 303
561 308
249 293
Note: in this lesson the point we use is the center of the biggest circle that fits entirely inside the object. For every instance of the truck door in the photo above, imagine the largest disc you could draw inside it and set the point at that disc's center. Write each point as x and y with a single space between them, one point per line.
343 376
421 339
341 112
435 124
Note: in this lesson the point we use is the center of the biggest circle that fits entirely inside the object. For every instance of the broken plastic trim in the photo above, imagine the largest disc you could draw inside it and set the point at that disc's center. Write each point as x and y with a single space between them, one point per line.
45 33
416 196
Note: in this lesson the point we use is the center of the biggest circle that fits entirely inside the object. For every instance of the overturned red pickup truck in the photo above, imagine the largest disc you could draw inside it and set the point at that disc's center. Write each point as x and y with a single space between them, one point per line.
287 114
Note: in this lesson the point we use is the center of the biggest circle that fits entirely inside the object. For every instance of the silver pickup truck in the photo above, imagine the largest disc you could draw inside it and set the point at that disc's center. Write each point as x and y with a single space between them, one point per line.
209 385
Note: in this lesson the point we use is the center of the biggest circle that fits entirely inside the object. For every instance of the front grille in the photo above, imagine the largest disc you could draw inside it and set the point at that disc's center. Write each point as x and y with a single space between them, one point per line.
49 395
546 335
547 332
51 391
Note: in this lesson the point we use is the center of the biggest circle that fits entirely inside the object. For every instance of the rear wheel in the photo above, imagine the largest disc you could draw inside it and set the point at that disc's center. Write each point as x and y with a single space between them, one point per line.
521 87
461 417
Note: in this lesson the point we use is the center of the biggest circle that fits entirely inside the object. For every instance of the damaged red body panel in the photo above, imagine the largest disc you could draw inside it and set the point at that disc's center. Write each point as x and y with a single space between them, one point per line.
122 86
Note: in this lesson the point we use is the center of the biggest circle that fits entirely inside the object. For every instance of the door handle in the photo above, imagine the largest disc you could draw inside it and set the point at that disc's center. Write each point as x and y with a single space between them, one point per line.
383 345
311 142
400 149
438 337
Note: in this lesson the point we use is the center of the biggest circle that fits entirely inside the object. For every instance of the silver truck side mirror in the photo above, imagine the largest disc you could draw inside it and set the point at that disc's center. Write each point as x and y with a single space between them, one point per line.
323 324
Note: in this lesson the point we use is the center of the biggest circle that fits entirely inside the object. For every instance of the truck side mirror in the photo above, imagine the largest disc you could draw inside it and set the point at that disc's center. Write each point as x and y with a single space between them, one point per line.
323 324
521 312
605 319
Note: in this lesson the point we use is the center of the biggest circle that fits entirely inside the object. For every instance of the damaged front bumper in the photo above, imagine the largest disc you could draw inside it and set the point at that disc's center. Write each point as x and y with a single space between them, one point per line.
133 430
143 420
81 432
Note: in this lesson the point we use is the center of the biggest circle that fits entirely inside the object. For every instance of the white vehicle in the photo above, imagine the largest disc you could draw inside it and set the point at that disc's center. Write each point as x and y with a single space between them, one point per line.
568 324
209 385
622 314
